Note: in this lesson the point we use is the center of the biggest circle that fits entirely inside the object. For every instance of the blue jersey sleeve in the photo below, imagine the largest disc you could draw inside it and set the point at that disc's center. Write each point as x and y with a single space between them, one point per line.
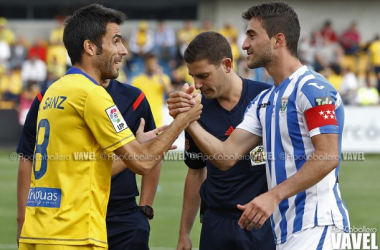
28 134
322 106
318 91
193 156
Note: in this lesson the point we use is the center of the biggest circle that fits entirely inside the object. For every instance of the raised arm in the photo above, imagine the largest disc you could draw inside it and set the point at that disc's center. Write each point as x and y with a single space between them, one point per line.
223 155
141 158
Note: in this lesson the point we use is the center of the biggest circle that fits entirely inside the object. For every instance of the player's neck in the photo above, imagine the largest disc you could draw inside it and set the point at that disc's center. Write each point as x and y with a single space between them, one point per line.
105 83
232 93
89 71
283 67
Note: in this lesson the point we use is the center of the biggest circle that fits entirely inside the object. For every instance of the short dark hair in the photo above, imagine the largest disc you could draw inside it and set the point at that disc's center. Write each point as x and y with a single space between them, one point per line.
209 45
149 56
89 22
277 17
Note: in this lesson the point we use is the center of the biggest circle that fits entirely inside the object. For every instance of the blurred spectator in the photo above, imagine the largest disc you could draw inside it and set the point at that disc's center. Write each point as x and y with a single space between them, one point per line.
206 26
165 41
177 80
56 59
142 40
229 31
26 99
56 69
349 86
154 84
320 51
374 58
306 52
329 55
235 53
181 73
34 70
368 94
10 86
38 48
350 40
334 76
19 53
6 34
185 35
5 53
56 35
316 40
328 32
50 79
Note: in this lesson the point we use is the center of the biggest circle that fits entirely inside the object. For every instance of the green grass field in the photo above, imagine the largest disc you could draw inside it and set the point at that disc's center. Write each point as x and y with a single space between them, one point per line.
360 188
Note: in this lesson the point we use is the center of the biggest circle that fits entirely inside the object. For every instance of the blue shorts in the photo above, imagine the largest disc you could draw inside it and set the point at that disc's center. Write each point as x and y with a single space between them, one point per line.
129 231
223 233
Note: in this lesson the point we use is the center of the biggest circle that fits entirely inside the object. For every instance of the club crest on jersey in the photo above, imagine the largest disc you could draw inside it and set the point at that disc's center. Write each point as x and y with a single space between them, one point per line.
116 119
284 104
257 155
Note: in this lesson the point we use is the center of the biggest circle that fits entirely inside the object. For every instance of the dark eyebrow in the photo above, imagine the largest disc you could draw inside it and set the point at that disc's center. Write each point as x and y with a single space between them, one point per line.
251 32
201 74
118 36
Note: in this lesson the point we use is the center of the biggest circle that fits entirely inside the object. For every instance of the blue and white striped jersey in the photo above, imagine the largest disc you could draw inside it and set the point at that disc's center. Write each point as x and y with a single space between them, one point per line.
287 116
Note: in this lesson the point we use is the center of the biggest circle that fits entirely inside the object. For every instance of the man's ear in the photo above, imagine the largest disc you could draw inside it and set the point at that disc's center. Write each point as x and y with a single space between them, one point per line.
89 47
279 40
227 64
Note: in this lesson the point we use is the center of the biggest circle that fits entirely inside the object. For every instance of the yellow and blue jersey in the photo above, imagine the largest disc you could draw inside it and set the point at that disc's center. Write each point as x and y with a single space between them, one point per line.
153 88
68 198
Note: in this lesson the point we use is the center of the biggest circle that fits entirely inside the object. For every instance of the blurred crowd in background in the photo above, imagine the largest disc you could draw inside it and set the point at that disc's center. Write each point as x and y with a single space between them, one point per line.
155 61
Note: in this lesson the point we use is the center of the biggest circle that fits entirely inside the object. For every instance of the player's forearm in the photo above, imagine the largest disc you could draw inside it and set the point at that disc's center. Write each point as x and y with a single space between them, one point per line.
162 143
314 170
214 149
118 166
141 158
191 199
149 185
23 186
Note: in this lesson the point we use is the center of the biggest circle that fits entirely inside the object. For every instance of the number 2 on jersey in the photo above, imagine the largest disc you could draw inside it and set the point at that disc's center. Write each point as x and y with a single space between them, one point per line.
41 149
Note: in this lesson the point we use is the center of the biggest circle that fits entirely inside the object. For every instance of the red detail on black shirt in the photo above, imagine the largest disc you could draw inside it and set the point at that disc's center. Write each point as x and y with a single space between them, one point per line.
138 101
229 131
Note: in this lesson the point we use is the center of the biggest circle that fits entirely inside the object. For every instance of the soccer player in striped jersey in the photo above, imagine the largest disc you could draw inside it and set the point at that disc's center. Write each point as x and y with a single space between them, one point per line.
300 122
67 201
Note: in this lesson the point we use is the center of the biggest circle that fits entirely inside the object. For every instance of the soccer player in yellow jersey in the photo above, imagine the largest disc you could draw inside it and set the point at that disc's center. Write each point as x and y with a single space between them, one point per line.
155 84
67 201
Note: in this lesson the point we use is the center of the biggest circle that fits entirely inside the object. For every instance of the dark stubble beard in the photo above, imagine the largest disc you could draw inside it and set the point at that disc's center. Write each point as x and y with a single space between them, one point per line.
105 67
261 60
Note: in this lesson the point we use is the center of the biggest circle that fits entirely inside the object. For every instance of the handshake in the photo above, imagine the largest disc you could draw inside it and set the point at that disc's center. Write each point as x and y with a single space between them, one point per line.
185 104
